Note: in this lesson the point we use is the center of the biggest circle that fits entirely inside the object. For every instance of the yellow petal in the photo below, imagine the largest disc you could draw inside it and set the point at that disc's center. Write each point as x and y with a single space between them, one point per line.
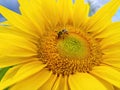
10 61
111 35
114 62
107 73
85 81
65 8
4 23
110 41
33 15
19 21
11 47
57 83
7 28
112 56
33 82
49 83
13 42
112 29
24 72
50 13
61 83
103 17
111 52
111 49
29 69
11 72
80 13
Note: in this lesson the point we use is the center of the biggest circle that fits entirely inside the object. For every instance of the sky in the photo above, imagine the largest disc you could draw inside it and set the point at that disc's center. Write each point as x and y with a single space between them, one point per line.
97 4
11 4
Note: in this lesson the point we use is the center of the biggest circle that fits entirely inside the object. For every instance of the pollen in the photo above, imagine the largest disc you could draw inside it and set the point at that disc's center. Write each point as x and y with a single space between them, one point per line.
77 51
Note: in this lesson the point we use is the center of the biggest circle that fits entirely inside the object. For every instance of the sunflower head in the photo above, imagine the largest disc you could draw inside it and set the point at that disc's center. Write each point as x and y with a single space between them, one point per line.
56 45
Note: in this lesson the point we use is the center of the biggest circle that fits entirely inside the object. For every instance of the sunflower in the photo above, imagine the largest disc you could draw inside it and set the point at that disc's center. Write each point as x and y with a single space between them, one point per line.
55 45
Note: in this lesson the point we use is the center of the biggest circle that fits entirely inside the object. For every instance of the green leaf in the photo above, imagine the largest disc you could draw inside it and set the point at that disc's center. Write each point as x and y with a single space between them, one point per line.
7 88
3 71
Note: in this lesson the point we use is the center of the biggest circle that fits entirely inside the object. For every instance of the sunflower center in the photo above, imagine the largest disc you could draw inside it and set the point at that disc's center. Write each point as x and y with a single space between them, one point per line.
68 51
72 46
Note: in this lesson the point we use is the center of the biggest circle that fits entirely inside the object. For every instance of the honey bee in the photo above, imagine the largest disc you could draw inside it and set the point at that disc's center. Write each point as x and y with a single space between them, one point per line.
62 34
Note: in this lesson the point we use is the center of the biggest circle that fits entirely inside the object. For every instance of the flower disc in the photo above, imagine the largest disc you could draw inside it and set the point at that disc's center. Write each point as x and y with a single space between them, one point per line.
67 53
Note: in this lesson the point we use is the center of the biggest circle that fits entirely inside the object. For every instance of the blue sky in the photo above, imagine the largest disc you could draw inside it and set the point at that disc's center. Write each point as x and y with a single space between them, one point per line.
11 4
117 16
